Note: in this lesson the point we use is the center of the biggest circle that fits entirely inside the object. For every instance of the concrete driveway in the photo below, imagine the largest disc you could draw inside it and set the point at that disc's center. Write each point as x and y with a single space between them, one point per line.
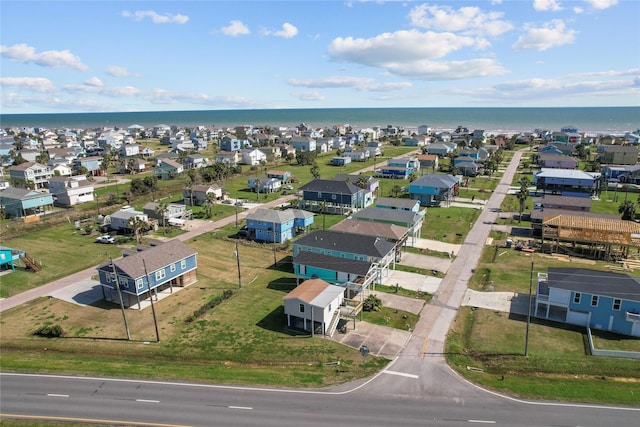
381 340
425 261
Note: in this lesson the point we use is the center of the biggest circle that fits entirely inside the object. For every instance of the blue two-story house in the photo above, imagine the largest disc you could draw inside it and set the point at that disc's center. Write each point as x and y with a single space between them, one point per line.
337 196
567 182
434 189
232 144
269 225
596 299
147 272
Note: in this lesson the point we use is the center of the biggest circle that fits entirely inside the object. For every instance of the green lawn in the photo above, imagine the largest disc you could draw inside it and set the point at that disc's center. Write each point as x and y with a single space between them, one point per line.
449 225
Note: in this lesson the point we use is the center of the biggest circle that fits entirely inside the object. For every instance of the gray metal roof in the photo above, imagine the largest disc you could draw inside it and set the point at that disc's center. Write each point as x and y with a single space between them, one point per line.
331 186
343 265
604 283
436 180
270 215
397 202
350 243
388 215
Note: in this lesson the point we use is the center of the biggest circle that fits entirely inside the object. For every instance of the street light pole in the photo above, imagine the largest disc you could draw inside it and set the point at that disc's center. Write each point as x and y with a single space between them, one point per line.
238 262
153 309
124 316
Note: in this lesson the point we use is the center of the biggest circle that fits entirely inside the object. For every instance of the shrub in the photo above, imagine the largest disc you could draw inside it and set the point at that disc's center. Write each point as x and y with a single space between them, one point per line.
216 300
49 331
372 303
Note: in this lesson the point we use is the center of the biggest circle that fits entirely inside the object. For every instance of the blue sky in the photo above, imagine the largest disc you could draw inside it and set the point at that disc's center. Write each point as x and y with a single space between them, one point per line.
91 56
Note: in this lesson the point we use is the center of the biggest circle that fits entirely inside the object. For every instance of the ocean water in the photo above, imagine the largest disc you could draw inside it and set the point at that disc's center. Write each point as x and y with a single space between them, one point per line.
492 120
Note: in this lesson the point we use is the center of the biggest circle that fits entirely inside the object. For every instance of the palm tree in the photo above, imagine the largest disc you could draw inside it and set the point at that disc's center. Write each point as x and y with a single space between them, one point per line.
522 194
162 209
628 210
136 224
209 203
315 171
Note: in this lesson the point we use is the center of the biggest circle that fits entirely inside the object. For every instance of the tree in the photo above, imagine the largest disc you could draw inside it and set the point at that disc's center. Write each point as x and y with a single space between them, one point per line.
137 225
362 181
162 209
628 210
396 189
315 171
523 194
209 203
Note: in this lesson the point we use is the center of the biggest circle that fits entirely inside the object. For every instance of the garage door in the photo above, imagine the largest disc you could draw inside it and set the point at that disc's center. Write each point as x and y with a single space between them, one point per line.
578 318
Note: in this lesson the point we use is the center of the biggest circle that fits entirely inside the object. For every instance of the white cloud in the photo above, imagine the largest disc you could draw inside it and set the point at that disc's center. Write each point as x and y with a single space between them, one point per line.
401 46
546 5
388 87
550 35
50 58
466 20
602 4
331 82
155 17
234 29
93 81
36 84
116 71
288 31
447 70
308 96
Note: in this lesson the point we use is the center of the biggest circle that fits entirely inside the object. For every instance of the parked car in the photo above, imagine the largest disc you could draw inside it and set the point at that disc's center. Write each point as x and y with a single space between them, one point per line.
106 239
239 203
288 187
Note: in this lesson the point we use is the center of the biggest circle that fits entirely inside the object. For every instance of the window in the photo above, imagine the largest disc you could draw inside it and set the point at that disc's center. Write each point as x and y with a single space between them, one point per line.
576 298
173 267
594 301
319 195
616 304
333 197
301 308
183 264
139 284
160 274
123 282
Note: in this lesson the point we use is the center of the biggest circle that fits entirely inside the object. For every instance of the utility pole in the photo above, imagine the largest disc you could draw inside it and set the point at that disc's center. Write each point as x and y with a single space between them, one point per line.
275 260
526 340
238 262
153 309
124 316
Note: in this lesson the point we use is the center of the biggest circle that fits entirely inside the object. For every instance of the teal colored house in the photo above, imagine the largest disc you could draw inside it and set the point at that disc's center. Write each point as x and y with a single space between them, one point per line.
596 299
168 169
168 264
9 258
21 202
342 258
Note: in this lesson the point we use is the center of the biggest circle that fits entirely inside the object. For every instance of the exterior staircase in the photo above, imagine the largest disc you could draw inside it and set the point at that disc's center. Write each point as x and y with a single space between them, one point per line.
30 262
334 323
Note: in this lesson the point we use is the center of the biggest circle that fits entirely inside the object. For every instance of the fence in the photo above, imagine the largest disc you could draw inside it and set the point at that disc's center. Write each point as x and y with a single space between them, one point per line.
610 353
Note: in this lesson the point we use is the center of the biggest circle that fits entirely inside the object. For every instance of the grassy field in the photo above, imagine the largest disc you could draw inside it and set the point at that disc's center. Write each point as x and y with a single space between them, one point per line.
242 341
558 366
449 225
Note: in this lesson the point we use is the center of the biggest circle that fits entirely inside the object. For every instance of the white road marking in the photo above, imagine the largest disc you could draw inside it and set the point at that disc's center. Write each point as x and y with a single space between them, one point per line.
57 395
240 407
147 401
482 421
401 374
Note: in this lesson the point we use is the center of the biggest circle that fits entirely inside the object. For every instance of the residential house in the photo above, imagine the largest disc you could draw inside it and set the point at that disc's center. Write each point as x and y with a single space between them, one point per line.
228 157
161 130
424 130
392 232
196 195
264 185
71 191
269 225
283 176
369 183
9 257
340 161
314 305
357 155
30 154
550 201
440 149
336 255
434 189
415 141
618 154
131 165
566 182
331 196
286 151
409 219
252 156
479 136
466 166
174 213
195 161
232 144
147 151
120 219
168 169
613 173
395 203
302 220
31 173
92 164
428 162
594 299
272 153
566 137
145 273
551 149
303 144
564 147
557 161
129 150
399 168
21 203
